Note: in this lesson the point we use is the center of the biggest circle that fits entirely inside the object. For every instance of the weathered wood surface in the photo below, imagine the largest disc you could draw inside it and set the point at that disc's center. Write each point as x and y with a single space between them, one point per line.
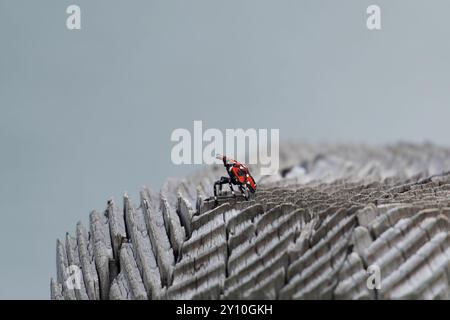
310 232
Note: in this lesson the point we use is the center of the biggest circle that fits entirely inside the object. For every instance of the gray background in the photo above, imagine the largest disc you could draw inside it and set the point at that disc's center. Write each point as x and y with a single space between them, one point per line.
87 114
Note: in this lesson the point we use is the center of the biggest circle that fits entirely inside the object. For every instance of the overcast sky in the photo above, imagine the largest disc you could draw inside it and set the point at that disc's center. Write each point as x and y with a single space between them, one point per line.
87 114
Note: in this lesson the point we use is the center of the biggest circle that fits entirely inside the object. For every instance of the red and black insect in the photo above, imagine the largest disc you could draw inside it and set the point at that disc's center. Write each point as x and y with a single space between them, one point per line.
239 175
